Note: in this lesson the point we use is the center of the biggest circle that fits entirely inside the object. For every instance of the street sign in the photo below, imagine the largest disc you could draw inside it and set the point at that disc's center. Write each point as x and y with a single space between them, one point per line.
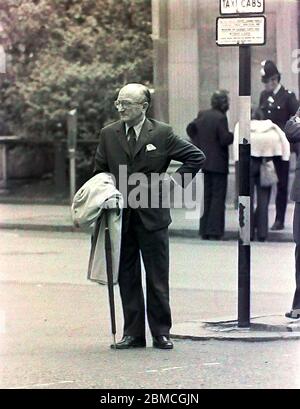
242 6
237 31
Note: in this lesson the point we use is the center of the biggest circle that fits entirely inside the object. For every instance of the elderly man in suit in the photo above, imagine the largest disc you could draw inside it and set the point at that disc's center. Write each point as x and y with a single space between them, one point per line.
292 130
146 146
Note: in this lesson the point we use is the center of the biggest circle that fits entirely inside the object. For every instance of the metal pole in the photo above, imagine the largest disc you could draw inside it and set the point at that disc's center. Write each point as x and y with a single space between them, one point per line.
60 179
72 139
72 164
4 167
244 250
2 60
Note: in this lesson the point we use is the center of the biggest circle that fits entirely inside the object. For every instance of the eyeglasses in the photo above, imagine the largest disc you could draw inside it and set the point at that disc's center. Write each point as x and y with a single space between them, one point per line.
126 104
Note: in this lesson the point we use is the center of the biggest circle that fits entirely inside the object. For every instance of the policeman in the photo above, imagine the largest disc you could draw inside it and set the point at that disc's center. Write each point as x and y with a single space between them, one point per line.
278 104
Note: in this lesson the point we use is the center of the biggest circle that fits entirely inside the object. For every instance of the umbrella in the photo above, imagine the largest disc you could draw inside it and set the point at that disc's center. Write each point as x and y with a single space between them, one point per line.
108 255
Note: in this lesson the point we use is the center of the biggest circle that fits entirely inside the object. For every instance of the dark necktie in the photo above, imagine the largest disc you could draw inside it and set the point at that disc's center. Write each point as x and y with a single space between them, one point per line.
131 140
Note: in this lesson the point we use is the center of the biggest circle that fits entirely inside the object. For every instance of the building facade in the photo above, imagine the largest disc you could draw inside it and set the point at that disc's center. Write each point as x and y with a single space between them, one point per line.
189 66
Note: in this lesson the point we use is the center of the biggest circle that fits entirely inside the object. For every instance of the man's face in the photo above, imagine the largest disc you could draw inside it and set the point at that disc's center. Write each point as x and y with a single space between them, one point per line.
271 84
224 103
131 105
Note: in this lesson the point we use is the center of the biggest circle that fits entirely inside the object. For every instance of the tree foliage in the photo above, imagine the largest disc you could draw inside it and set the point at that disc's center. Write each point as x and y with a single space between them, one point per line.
65 54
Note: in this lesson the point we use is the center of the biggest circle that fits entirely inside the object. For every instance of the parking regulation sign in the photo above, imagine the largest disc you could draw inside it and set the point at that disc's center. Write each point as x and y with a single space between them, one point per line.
237 31
242 6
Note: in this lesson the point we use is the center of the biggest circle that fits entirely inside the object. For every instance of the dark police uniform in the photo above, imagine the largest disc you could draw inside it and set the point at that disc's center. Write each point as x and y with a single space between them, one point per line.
279 108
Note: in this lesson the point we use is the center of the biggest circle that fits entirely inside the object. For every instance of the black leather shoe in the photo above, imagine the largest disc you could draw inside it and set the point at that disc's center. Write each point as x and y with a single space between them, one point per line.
277 226
295 314
129 341
162 342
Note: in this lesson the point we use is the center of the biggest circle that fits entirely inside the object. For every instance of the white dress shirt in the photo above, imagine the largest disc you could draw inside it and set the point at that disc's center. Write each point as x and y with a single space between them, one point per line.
137 128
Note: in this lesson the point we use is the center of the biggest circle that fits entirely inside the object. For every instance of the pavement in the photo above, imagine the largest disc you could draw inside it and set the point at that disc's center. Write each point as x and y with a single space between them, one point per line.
185 224
55 327
45 217
263 328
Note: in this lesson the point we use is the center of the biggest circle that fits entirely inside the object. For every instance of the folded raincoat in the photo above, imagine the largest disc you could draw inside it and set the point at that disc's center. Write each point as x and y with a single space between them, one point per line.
99 204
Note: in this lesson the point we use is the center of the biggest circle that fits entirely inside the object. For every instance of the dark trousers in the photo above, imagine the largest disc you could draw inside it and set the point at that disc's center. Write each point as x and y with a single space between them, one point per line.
296 233
154 247
282 169
212 222
259 217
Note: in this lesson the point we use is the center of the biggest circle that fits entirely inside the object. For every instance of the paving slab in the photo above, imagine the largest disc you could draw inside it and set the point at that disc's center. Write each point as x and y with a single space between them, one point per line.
263 328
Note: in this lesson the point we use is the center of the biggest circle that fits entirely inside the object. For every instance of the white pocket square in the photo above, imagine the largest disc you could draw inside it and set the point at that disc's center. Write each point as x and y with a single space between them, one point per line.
150 147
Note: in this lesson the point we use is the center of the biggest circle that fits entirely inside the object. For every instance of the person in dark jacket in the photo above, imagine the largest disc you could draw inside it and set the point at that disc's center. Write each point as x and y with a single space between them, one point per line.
292 130
278 104
210 133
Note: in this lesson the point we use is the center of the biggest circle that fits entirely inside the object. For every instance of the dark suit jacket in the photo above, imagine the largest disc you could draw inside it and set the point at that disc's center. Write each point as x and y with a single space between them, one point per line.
209 132
113 151
292 130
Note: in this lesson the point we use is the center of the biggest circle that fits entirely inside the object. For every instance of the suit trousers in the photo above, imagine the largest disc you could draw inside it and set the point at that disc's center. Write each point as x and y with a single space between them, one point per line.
282 169
154 248
212 221
259 218
296 233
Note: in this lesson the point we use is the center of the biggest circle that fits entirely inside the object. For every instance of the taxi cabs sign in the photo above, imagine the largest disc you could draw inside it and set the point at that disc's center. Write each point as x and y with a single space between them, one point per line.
242 6
237 31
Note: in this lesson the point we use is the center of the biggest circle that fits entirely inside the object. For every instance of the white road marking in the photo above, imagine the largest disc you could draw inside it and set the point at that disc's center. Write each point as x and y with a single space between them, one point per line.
175 367
179 367
41 384
164 369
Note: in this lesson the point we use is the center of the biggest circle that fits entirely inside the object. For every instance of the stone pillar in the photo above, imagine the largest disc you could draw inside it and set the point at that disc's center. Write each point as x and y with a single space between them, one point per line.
160 59
188 66
208 64
287 44
261 53
229 80
183 53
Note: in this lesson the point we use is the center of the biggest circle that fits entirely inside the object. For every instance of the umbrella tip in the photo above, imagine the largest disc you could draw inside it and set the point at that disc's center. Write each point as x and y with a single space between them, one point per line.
114 341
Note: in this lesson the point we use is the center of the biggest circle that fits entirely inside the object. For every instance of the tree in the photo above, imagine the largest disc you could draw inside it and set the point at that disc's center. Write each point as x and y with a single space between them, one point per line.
65 54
